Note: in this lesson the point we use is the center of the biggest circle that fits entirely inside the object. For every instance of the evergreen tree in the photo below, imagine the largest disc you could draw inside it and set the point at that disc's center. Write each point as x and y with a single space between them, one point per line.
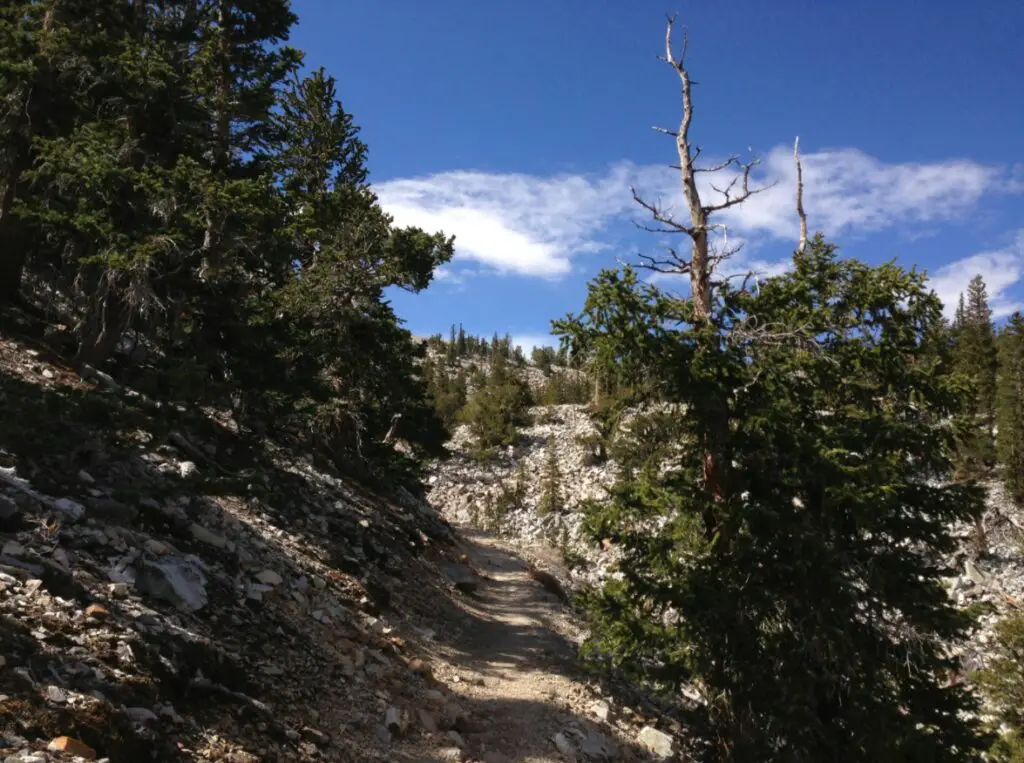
801 597
975 356
605 415
166 170
543 358
497 409
1011 406
1002 682
552 501
565 387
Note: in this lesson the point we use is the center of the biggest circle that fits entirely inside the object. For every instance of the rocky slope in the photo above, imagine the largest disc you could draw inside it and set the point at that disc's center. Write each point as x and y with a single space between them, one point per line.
172 588
468 490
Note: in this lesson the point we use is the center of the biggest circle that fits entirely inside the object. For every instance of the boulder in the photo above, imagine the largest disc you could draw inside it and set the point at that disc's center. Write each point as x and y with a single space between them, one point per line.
657 742
178 580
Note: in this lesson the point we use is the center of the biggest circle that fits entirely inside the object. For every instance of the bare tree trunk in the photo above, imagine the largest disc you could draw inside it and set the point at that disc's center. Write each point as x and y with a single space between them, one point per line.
800 196
13 254
700 265
221 137
103 328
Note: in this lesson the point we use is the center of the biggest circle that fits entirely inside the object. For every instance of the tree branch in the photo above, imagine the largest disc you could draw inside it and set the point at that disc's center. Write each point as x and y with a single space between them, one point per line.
659 215
745 193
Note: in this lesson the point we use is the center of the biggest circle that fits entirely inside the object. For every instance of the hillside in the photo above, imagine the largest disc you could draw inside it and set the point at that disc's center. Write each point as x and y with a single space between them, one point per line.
177 589
476 493
704 468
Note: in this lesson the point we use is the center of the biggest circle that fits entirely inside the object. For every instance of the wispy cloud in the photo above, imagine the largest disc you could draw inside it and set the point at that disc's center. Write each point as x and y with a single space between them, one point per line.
514 223
529 341
535 226
1002 269
847 190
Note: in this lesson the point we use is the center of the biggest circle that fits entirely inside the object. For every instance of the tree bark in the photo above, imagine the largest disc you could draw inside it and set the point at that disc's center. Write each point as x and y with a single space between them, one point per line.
103 329
13 254
700 267
800 196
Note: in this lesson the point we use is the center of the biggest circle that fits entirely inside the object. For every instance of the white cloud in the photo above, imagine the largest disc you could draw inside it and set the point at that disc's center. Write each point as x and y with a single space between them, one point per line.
535 226
847 190
1001 269
529 341
512 222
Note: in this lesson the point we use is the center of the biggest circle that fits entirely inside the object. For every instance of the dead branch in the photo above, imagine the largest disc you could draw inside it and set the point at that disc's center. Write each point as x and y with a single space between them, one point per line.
702 261
800 196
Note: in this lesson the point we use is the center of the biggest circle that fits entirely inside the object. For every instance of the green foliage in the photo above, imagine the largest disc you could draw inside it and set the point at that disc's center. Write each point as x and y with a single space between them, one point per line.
544 358
552 499
565 387
798 593
447 391
497 409
1010 406
605 415
975 357
169 172
1002 682
645 443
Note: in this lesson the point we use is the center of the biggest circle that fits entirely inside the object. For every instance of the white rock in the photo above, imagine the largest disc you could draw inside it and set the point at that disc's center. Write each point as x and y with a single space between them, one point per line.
564 746
181 581
187 469
657 742
157 547
269 577
71 509
203 535
394 720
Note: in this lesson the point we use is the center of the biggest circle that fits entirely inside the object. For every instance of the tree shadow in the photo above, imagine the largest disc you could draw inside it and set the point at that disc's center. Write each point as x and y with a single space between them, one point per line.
257 677
212 668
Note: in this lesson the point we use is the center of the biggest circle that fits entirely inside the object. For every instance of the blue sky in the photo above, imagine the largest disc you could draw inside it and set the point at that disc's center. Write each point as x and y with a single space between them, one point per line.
519 128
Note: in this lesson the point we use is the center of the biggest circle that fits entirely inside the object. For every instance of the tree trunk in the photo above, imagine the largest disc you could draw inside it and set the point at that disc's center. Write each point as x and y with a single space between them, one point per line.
103 330
13 253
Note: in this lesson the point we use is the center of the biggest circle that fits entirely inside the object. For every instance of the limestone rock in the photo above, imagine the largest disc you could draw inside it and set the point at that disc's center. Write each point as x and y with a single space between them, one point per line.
203 535
269 577
395 721
178 580
657 742
70 509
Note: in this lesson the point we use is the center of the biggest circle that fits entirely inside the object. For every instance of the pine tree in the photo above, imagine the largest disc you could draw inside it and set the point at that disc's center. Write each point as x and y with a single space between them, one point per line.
975 357
1011 406
497 409
1002 682
168 171
552 501
811 618
25 112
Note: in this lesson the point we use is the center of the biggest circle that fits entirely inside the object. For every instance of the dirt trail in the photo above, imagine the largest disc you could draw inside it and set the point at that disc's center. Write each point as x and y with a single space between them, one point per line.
509 659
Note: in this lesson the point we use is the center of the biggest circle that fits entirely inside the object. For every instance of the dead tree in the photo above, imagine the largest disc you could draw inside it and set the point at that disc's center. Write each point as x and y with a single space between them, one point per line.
701 261
800 196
